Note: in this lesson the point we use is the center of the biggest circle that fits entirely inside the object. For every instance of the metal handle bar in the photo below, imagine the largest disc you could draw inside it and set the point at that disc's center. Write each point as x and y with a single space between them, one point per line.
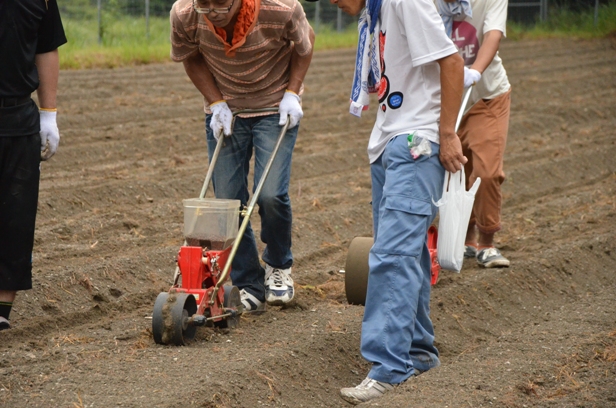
462 107
248 213
210 172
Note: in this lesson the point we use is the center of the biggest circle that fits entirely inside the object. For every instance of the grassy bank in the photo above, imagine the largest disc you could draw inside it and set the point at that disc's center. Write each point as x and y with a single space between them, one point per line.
127 41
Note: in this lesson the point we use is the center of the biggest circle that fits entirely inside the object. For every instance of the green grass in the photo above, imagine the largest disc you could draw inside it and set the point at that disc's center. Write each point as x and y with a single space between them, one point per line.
328 39
563 23
125 41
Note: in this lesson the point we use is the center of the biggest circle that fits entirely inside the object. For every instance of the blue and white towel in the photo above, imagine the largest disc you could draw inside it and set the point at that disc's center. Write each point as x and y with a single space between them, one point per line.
450 10
367 61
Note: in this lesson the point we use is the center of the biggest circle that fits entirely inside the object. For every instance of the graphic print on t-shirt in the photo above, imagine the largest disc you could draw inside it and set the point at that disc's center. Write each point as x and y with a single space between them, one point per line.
464 36
395 99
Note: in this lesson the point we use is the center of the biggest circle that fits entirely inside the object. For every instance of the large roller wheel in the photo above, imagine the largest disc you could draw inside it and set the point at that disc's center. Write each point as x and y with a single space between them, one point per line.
171 316
233 300
356 270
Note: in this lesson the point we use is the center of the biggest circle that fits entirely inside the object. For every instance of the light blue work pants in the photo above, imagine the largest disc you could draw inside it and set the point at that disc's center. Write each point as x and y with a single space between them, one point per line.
397 333
230 180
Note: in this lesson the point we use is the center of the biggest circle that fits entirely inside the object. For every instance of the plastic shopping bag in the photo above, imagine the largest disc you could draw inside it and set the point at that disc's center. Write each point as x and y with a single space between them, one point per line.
455 207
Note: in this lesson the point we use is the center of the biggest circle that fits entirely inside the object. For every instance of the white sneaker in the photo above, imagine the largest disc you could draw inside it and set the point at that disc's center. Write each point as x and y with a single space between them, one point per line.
369 389
251 303
278 285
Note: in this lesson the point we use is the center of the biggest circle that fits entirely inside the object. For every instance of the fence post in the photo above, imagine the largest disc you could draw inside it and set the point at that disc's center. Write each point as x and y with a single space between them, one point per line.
543 13
100 22
338 20
317 16
147 19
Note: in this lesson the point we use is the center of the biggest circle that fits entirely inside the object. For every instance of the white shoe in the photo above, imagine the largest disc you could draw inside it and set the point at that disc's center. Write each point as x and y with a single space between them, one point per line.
251 303
369 389
278 286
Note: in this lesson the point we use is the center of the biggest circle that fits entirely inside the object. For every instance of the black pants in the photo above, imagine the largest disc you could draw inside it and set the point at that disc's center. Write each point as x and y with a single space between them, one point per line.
20 158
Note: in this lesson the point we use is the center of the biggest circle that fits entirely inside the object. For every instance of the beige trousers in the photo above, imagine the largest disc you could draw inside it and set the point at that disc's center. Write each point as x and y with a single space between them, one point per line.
483 133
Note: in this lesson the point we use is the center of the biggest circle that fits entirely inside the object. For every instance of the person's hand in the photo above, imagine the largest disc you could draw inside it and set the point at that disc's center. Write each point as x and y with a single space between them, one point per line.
450 153
50 135
221 119
471 77
290 106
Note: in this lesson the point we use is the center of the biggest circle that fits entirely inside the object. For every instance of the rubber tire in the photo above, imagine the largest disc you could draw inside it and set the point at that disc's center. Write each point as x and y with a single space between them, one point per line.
356 270
170 318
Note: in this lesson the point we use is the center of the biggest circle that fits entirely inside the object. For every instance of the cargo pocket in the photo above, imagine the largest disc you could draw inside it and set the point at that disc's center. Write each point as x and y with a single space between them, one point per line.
403 225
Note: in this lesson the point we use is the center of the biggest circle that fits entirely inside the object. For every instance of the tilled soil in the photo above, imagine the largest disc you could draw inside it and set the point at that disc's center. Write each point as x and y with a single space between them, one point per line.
541 333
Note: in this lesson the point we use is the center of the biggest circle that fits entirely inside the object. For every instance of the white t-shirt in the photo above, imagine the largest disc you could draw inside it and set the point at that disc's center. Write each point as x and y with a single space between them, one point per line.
412 38
468 34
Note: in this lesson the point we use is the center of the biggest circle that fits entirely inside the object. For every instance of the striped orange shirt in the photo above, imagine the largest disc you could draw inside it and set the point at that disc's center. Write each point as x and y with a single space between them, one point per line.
256 74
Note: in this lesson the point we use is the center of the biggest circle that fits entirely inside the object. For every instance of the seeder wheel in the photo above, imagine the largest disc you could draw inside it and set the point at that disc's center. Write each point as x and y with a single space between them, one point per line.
232 300
356 270
170 318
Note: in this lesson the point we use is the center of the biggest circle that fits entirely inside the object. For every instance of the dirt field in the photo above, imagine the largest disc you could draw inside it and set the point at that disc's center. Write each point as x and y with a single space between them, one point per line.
541 333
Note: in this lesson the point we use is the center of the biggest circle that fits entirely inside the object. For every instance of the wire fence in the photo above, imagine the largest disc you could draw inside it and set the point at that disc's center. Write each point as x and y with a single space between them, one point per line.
322 14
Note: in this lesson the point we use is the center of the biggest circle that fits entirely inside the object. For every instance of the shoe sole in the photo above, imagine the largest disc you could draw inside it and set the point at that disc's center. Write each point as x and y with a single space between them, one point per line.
499 263
258 311
271 298
277 301
351 400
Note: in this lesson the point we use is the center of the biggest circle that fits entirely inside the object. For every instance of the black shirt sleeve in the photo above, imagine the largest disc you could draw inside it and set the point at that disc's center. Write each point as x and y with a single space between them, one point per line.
51 32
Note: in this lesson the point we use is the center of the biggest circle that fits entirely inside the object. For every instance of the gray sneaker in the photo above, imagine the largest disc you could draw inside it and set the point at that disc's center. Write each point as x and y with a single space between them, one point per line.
470 252
492 258
369 389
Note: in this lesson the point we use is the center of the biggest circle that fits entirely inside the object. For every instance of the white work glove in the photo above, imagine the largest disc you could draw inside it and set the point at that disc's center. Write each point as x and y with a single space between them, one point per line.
50 135
221 119
290 106
471 77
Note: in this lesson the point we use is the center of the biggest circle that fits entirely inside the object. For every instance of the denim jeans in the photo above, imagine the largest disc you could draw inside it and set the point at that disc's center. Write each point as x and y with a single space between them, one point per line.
397 333
230 180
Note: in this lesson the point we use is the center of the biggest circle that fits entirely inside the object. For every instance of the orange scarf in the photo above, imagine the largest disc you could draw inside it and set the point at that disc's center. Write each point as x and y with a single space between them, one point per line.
245 18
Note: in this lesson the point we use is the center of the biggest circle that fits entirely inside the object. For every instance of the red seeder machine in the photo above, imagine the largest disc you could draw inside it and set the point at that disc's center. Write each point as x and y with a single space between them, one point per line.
199 296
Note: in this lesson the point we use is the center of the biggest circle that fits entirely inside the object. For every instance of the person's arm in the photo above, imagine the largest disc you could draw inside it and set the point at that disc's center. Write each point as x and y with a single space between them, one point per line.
202 78
488 50
48 66
299 66
290 105
452 78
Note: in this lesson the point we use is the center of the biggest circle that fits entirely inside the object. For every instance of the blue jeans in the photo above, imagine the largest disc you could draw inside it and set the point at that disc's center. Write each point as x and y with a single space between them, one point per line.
230 180
397 333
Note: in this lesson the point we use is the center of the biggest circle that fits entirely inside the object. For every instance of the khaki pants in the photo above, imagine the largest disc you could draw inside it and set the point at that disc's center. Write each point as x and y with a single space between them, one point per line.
483 133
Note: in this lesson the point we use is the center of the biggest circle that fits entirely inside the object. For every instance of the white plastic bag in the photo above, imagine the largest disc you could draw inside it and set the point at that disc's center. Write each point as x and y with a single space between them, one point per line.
455 207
